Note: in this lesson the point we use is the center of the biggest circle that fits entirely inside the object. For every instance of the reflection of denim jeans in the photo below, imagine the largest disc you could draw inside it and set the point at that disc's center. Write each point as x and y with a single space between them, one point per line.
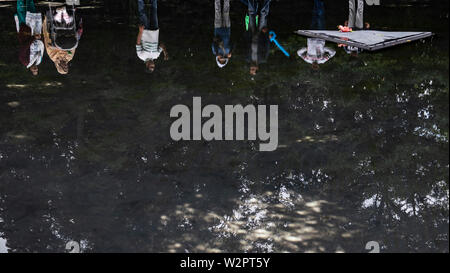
152 23
22 7
253 9
318 17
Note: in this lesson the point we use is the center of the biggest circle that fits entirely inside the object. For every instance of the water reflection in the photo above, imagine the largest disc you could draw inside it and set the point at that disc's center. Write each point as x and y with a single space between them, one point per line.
316 53
363 142
29 26
221 46
258 34
3 248
356 14
62 33
148 47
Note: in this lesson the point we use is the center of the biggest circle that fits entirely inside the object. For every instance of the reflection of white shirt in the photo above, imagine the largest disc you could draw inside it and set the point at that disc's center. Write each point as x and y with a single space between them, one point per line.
316 52
149 48
36 53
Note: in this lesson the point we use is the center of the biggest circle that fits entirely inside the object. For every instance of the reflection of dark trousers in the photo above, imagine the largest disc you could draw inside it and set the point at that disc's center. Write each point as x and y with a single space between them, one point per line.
318 17
149 22
253 9
355 17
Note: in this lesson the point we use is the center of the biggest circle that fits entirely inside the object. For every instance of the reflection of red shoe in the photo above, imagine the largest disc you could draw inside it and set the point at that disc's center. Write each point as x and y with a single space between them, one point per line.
345 29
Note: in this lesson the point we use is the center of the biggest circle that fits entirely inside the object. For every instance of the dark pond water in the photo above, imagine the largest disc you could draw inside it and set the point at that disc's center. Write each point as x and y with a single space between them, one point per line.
363 142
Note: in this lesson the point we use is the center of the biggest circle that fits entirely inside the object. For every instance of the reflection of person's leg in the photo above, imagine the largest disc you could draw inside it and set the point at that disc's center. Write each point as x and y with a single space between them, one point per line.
318 18
360 15
154 15
226 13
143 20
21 11
31 6
264 14
351 13
252 12
217 14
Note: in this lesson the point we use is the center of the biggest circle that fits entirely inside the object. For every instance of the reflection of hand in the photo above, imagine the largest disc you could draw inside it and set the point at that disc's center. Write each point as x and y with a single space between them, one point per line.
166 57
37 36
141 28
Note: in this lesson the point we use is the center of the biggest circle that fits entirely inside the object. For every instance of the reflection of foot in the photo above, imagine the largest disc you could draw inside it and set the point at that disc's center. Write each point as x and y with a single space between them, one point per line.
367 25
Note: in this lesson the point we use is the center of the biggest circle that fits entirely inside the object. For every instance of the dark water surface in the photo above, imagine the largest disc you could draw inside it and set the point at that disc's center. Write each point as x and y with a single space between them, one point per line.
363 153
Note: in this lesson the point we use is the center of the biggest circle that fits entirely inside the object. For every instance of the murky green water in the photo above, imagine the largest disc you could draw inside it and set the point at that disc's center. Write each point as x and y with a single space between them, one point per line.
363 150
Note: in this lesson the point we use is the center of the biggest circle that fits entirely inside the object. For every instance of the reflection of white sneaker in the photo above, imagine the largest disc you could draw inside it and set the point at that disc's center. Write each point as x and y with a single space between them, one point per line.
67 18
58 16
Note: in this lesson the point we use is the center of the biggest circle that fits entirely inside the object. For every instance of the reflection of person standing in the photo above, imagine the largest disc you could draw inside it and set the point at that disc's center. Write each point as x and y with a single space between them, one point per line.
259 36
148 47
29 26
221 46
316 53
356 14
